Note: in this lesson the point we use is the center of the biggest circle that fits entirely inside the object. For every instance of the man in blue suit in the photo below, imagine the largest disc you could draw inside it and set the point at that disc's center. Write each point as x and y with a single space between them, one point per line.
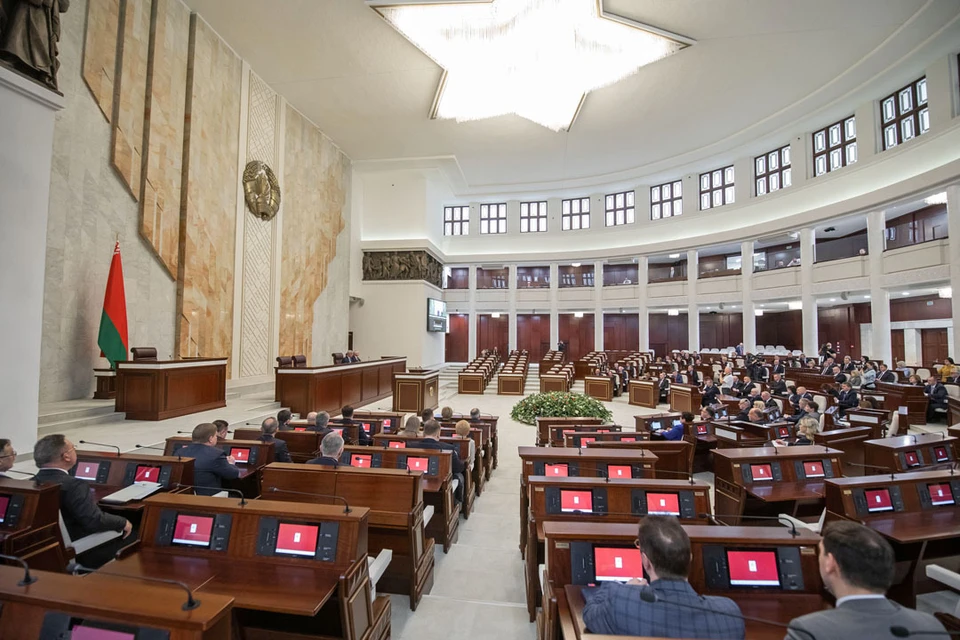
676 610
211 464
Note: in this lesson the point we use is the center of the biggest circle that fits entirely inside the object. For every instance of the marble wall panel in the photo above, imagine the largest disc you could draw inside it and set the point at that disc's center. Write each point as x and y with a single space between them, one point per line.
100 52
315 186
205 307
163 130
130 101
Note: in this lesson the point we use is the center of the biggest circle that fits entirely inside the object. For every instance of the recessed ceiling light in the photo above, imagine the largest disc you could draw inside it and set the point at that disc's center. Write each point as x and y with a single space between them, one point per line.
833 299
937 198
758 312
574 264
674 255
673 312
905 293
866 297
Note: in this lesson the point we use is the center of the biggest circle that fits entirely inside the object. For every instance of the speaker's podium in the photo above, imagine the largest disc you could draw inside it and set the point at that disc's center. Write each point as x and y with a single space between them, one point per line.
416 390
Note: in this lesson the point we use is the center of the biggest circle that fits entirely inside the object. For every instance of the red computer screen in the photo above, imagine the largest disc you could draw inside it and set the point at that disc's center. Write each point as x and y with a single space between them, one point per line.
663 504
146 473
628 439
359 460
617 564
572 500
299 428
366 427
240 455
784 432
418 464
4 503
194 531
87 470
913 460
297 539
603 430
619 471
878 500
761 472
339 431
81 632
701 429
753 568
813 469
398 444
941 454
940 494
557 470
584 441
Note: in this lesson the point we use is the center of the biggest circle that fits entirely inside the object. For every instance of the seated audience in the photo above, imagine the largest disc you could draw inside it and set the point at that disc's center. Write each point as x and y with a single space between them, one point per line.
664 386
857 567
223 427
411 427
868 378
330 449
425 416
446 413
778 386
807 427
948 370
936 399
283 417
474 415
211 464
676 431
744 414
768 401
757 416
7 456
355 357
431 440
311 420
710 393
708 414
55 456
268 429
320 423
463 431
617 609
346 418
846 398
885 374
915 380
867 403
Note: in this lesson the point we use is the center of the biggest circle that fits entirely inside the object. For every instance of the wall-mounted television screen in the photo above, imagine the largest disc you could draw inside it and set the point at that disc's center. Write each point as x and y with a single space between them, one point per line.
436 315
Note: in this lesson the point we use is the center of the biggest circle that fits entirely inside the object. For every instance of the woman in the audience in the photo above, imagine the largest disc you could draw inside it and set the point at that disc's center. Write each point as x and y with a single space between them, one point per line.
948 370
7 456
867 402
446 413
806 429
868 379
463 431
411 427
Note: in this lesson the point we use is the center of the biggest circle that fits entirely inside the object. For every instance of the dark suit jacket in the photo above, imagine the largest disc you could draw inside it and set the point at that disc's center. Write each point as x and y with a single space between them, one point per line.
778 369
937 395
326 462
81 515
457 465
801 441
210 467
363 438
743 416
281 453
778 388
771 403
678 377
693 377
887 376
709 395
870 618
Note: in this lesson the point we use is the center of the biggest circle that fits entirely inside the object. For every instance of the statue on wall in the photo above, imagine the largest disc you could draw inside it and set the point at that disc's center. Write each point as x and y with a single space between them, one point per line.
29 33
402 265
261 190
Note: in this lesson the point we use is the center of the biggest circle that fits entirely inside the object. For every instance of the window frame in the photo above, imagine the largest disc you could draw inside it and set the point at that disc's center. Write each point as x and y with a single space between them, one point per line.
620 208
844 145
456 220
571 220
773 180
493 215
530 220
915 115
657 201
726 189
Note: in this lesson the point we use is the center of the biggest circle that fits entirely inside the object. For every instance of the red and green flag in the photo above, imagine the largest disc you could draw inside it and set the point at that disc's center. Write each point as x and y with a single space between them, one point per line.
113 321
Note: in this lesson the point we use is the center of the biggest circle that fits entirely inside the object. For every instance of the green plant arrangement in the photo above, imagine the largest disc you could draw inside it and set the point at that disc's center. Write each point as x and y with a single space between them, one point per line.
558 404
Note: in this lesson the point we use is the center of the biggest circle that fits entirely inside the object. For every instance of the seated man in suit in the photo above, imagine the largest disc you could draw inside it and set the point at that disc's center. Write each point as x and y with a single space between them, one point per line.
768 400
355 357
331 447
268 429
321 421
7 456
677 377
664 387
692 376
283 417
756 416
748 388
777 366
744 411
846 398
778 386
431 440
885 374
936 398
446 413
211 464
425 416
474 415
709 394
618 609
55 456
223 428
857 567
311 421
365 438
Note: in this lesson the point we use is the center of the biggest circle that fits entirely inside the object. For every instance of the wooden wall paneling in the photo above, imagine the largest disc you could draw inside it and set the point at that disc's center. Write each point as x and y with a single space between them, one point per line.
841 326
720 330
897 348
578 334
924 308
621 331
668 333
458 338
783 328
933 342
533 334
493 332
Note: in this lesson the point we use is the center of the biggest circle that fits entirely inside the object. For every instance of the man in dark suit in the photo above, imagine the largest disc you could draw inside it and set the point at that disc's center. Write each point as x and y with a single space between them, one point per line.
474 415
664 387
778 386
936 399
363 438
268 429
223 428
283 417
749 388
848 364
778 367
768 400
618 609
692 376
839 375
431 440
846 398
886 375
744 413
331 448
827 367
677 377
55 456
857 567
321 420
211 464
710 393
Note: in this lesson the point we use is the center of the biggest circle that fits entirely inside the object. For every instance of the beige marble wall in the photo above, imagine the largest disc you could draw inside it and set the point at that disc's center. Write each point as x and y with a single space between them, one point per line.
89 206
315 186
205 308
131 92
100 52
163 130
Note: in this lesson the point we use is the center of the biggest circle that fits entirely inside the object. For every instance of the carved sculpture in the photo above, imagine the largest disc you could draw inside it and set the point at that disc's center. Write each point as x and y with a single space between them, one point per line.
402 265
29 33
261 190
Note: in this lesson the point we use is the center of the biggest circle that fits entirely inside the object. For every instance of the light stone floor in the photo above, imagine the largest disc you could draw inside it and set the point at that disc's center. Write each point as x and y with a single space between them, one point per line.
478 590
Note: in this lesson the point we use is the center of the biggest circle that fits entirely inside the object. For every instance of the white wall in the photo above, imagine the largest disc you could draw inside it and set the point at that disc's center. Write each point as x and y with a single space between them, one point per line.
393 321
26 130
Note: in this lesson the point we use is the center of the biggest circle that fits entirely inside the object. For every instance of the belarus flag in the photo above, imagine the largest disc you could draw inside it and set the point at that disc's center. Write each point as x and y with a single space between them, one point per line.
113 321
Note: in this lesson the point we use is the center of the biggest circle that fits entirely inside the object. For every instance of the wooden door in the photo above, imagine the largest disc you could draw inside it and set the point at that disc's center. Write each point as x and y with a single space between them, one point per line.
458 338
934 345
493 332
533 334
896 347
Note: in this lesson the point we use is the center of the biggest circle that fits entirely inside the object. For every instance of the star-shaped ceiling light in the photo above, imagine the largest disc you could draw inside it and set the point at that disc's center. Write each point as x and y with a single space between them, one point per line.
535 58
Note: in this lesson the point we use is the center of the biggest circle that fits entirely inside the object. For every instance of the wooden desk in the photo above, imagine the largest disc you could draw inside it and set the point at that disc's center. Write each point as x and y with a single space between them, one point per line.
772 480
557 433
415 391
167 389
30 529
544 424
554 382
303 445
674 457
739 434
578 438
850 441
511 384
306 389
904 509
904 395
876 419
599 387
106 384
283 586
390 421
685 397
909 453
57 600
472 382
644 393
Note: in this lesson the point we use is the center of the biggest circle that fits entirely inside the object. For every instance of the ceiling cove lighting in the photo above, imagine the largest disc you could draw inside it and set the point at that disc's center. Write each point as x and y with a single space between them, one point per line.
937 198
946 292
673 312
795 306
537 59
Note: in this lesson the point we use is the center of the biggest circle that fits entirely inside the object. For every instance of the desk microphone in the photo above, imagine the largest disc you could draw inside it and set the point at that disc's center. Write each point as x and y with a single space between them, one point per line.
903 632
27 578
243 500
346 507
793 527
873 466
98 444
75 568
647 594
22 473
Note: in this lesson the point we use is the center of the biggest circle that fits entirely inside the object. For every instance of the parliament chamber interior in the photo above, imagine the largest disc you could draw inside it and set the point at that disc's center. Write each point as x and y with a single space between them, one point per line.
423 319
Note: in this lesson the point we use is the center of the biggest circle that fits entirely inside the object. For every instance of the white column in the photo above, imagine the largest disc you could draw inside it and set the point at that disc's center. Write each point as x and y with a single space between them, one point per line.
512 307
808 299
598 304
472 313
693 312
642 301
26 154
953 249
749 318
880 347
912 354
554 305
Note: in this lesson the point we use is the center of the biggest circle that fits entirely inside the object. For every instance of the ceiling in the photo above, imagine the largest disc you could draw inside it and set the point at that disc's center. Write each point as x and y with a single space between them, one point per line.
760 72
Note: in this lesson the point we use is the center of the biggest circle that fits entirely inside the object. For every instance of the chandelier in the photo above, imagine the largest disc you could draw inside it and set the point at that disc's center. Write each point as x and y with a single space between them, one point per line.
534 58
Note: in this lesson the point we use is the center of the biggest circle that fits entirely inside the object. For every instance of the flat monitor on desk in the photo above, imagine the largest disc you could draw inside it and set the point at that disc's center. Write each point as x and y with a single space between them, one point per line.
560 470
291 539
89 471
941 494
655 425
878 500
596 562
147 473
911 459
663 504
59 626
941 453
240 454
761 472
297 539
619 471
753 568
398 444
4 504
728 567
193 531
